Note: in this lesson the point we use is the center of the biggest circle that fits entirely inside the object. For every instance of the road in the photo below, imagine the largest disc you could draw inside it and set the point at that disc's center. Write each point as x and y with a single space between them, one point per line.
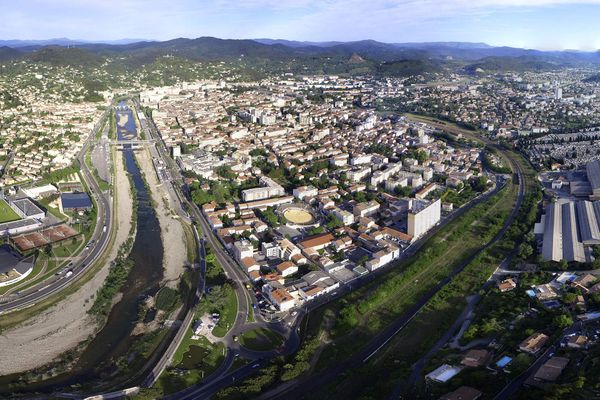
172 178
82 263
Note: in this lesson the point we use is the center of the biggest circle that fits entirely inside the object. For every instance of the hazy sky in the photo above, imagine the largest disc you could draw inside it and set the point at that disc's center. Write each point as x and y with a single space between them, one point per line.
543 24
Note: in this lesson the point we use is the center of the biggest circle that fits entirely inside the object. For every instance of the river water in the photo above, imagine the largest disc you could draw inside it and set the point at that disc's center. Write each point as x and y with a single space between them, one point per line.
114 340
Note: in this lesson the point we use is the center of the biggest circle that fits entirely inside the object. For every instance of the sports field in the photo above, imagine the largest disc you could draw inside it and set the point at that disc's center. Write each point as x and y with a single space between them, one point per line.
7 214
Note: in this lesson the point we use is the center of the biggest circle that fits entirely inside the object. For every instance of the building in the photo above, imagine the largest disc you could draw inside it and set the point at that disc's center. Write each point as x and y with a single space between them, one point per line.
13 267
588 222
578 342
317 242
286 268
557 93
26 209
560 240
463 393
75 202
280 297
383 257
551 369
423 216
305 191
476 358
40 191
593 175
346 217
443 373
507 285
243 249
367 209
270 249
269 189
534 343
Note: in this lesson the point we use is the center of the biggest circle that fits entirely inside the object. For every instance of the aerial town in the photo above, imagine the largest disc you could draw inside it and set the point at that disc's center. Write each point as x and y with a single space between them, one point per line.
409 217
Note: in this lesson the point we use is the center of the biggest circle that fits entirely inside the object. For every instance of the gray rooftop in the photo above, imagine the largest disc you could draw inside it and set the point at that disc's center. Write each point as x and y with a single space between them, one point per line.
593 174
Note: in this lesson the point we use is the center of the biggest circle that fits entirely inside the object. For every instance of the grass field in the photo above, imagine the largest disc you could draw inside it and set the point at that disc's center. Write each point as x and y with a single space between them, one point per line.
228 314
7 214
261 339
193 361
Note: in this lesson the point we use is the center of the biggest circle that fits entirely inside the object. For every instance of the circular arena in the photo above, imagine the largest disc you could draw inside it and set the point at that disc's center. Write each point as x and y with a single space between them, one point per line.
297 215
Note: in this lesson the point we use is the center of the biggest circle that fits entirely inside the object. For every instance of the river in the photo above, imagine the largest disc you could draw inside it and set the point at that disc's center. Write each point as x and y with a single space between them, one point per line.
114 340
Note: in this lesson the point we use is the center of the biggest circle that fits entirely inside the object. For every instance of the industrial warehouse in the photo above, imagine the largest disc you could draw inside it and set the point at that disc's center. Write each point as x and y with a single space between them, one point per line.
570 225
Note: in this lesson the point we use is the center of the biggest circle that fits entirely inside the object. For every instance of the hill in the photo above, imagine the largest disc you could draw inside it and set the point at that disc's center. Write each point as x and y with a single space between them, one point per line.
63 56
8 53
505 64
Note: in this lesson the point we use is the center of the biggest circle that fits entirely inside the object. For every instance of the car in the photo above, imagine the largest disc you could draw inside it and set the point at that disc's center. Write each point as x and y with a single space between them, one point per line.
294 313
235 338
256 365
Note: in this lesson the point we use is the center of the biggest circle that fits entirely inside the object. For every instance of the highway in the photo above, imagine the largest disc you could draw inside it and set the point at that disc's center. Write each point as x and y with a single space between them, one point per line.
82 262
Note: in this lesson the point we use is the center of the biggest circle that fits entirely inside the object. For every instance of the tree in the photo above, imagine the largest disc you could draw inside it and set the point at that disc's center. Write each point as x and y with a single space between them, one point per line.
403 191
201 197
334 222
525 251
421 156
562 321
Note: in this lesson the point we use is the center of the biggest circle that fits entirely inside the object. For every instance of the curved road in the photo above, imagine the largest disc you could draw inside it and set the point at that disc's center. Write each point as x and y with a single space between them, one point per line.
50 286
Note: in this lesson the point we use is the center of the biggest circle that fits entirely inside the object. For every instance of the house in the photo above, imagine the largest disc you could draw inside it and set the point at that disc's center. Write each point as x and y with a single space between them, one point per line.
279 296
366 209
250 264
476 358
507 285
443 373
578 342
286 268
463 393
551 370
270 249
545 292
533 343
243 249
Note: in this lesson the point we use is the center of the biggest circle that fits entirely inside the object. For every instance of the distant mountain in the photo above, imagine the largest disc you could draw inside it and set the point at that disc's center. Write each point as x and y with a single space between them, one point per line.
455 45
17 43
357 57
63 56
505 64
406 68
8 53
294 43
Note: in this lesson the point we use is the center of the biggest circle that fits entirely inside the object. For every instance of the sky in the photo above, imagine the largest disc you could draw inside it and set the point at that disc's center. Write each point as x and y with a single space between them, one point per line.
539 24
